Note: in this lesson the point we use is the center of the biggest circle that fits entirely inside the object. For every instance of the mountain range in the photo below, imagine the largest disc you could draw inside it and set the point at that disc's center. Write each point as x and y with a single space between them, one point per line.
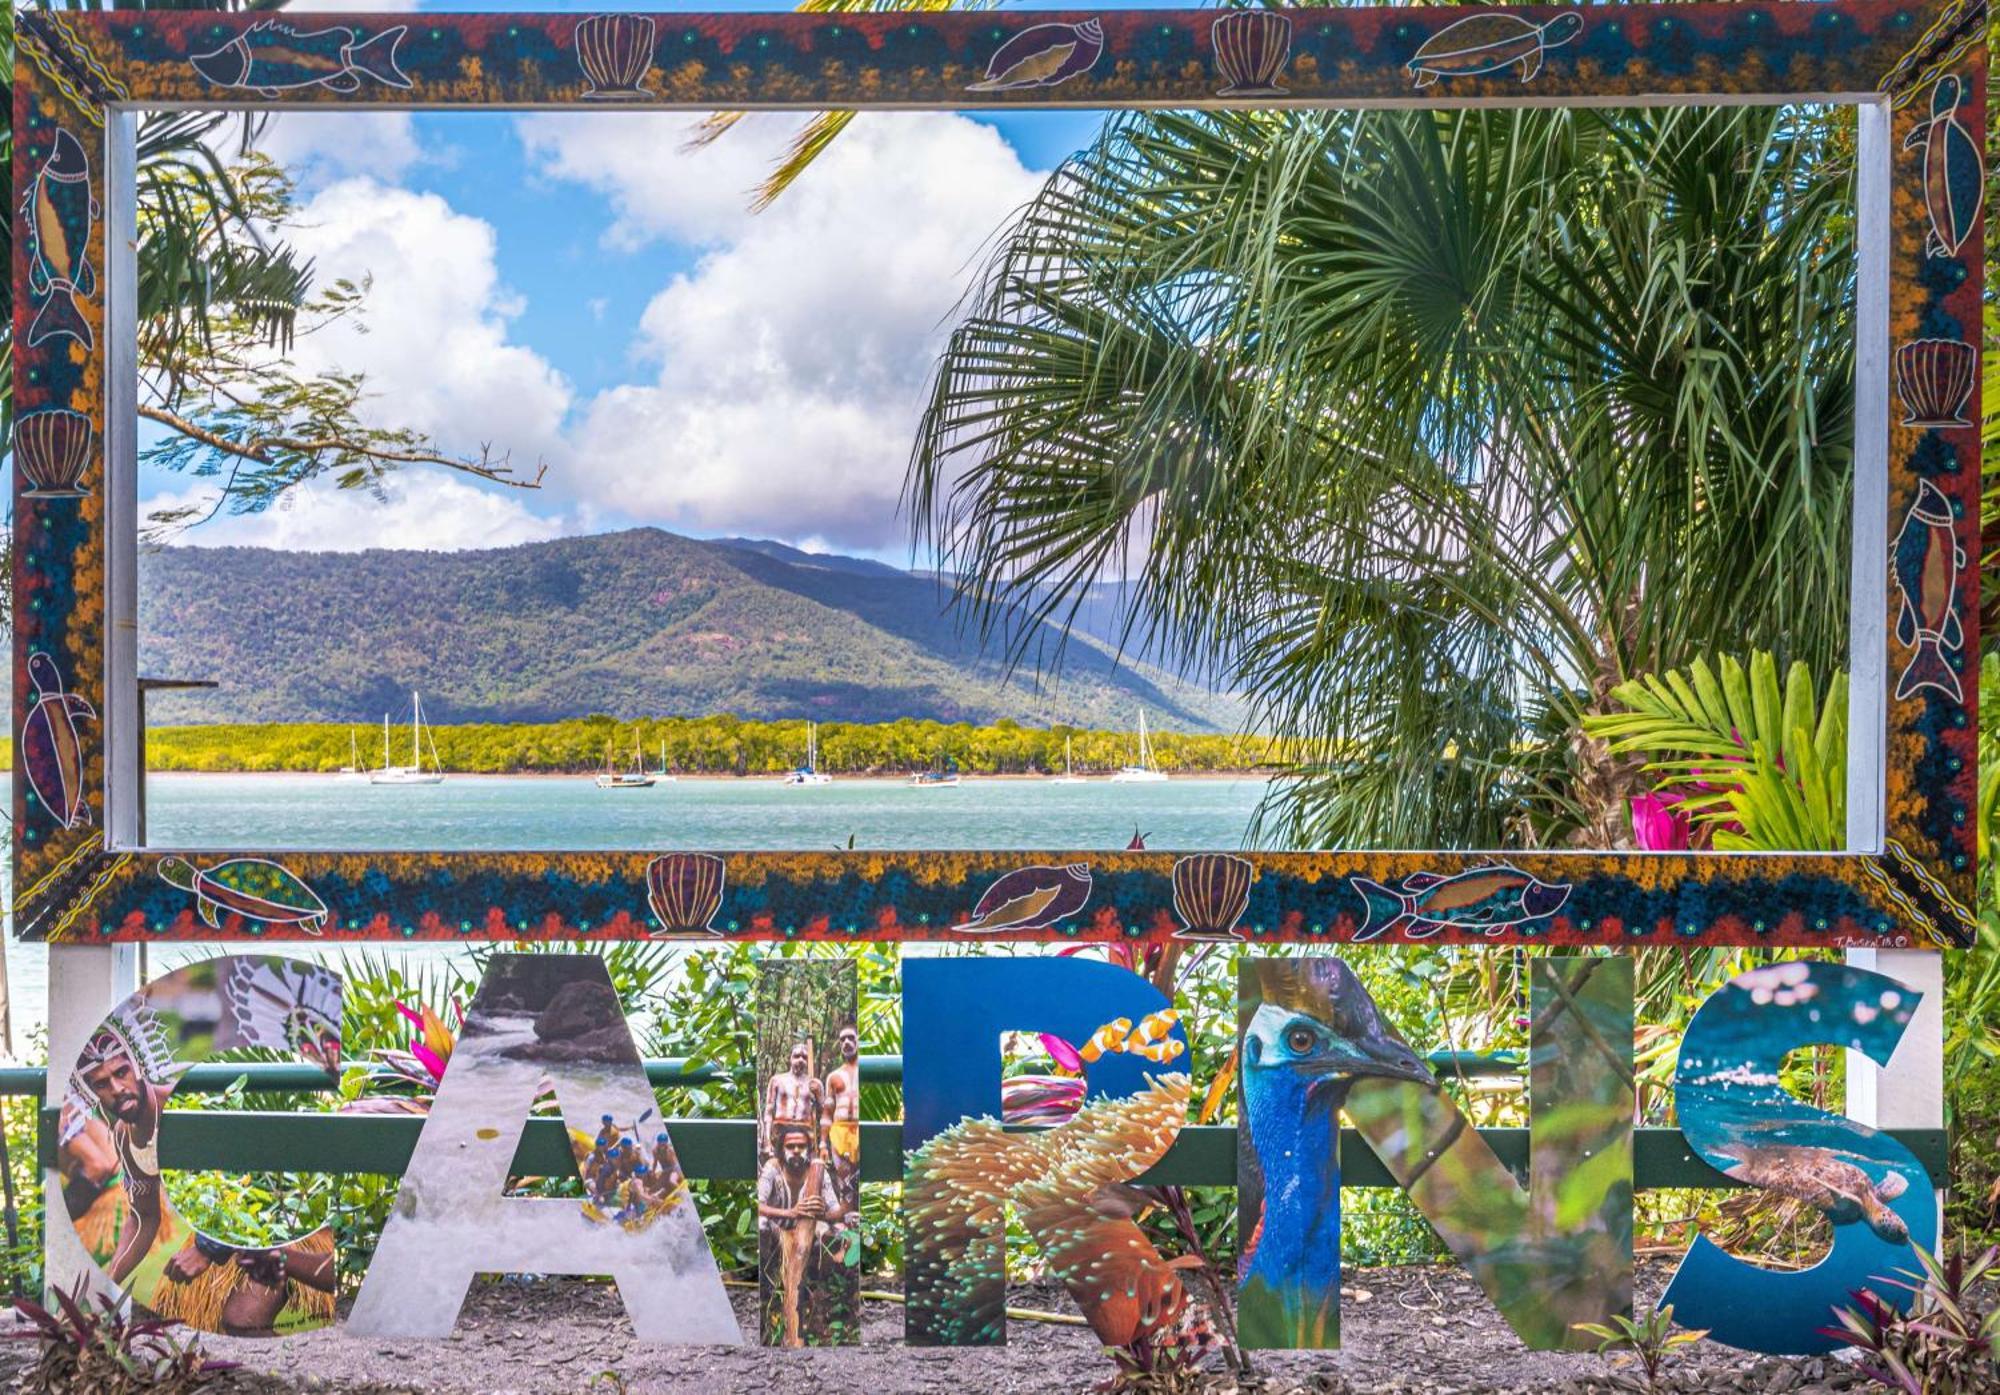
635 623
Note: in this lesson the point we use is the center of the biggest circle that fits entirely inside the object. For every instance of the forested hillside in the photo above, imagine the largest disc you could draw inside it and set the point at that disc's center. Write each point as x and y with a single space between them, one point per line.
641 623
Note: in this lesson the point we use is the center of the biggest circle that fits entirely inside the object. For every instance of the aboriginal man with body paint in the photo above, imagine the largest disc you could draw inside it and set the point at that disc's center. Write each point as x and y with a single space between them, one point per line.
796 1203
841 1113
792 1101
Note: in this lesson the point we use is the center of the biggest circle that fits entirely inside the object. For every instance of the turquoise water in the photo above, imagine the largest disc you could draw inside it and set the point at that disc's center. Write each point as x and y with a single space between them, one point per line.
276 812
503 812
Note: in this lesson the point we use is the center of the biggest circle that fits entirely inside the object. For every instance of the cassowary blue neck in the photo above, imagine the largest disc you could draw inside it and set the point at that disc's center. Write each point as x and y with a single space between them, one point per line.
1295 1135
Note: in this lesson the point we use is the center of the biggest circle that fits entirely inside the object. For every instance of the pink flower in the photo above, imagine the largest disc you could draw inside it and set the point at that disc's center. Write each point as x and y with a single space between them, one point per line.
1658 825
432 1047
1062 1053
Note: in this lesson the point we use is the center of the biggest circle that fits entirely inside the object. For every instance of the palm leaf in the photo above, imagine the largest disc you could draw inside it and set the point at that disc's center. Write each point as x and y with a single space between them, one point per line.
1763 771
1424 430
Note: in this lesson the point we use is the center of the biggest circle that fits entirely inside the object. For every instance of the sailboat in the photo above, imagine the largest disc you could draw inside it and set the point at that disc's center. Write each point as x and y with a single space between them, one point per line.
1145 772
413 773
942 776
663 775
636 778
354 769
1069 775
810 773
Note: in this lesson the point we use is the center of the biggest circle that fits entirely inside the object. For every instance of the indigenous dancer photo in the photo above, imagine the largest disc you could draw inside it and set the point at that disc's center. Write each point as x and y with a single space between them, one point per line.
841 1111
796 1207
792 1100
809 1179
108 1145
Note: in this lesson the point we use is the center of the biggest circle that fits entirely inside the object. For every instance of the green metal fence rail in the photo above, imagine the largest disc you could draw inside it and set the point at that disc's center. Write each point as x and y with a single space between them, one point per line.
726 1149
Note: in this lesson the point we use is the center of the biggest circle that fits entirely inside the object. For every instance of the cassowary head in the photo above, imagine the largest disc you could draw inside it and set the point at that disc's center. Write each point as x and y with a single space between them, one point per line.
1316 1031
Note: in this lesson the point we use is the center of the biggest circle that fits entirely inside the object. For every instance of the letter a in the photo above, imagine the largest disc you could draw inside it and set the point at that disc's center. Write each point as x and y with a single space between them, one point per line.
544 1018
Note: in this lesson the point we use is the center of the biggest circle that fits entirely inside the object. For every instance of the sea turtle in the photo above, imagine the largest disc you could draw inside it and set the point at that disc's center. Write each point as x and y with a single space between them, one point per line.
1489 42
51 750
1954 182
1819 1177
252 887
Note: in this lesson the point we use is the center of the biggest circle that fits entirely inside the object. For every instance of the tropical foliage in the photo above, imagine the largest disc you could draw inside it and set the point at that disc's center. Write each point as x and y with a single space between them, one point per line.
1938 1336
1756 767
1432 427
1647 1341
220 301
91 1344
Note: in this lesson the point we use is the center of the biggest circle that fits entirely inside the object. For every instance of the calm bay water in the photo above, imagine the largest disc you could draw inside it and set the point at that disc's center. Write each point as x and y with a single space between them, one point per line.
503 812
277 812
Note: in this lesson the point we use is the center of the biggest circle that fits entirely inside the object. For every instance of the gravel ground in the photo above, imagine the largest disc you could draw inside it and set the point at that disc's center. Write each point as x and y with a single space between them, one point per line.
1405 1330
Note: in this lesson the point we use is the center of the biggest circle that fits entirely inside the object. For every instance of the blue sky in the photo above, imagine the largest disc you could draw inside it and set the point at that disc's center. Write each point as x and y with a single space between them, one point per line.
578 288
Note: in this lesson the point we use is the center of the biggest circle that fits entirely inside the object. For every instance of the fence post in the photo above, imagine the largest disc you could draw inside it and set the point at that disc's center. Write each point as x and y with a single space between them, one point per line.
85 982
1908 1093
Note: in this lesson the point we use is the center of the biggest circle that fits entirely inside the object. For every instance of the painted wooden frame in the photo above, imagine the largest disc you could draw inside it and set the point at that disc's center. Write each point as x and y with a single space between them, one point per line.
1915 71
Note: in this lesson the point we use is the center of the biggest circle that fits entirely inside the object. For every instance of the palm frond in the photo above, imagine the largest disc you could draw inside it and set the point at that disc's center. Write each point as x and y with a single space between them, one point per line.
1418 428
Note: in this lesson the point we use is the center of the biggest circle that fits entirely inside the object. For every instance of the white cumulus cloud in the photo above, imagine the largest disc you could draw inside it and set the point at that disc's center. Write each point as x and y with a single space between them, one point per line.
433 340
316 148
790 361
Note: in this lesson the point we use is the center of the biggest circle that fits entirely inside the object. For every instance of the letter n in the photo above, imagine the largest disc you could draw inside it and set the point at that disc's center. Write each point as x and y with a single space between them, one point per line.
1549 1255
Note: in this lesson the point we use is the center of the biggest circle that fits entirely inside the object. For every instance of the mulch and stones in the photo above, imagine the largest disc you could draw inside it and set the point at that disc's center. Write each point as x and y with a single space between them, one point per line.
1406 1331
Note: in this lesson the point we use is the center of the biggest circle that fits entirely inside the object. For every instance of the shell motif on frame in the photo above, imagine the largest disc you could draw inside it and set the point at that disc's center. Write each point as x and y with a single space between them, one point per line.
1030 898
615 53
53 449
1934 377
685 892
1251 50
1211 892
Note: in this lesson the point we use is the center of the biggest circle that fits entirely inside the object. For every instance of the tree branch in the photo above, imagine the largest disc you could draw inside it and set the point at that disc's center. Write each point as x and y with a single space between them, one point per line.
263 450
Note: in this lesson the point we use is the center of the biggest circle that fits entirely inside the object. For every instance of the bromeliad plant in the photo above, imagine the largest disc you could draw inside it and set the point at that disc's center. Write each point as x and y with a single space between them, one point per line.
1741 761
94 1345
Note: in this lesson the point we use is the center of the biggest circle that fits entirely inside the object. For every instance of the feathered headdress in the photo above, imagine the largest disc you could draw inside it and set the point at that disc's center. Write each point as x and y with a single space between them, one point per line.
132 1031
286 1005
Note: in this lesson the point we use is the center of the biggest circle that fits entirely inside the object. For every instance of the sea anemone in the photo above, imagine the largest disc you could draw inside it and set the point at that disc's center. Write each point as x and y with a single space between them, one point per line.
1068 1184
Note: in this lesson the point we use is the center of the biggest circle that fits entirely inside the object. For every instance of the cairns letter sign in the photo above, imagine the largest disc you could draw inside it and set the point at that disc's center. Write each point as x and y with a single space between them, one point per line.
1551 1250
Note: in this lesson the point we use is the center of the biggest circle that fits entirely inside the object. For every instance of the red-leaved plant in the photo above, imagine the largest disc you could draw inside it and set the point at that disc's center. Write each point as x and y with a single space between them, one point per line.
1943 1345
96 1345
